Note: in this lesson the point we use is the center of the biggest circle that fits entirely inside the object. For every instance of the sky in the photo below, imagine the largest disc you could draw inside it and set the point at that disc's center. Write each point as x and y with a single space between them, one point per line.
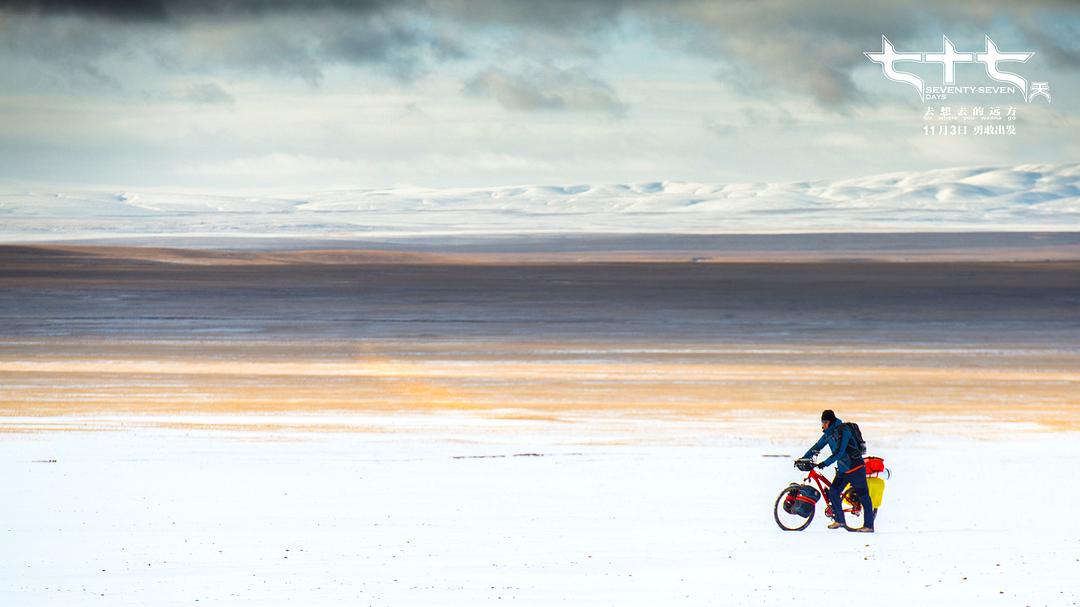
335 93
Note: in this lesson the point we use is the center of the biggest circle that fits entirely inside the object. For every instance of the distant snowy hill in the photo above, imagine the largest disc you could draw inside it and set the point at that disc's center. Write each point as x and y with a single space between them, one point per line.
1027 197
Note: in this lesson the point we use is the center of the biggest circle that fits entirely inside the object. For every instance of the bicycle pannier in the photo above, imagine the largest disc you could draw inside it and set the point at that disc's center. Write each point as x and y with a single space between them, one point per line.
789 499
806 500
874 465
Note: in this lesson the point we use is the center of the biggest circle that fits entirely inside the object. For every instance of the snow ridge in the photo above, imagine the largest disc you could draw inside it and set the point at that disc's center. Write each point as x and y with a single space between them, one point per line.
1025 197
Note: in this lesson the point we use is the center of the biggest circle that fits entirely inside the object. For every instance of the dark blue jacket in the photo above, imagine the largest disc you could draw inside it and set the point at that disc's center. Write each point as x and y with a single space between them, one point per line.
837 436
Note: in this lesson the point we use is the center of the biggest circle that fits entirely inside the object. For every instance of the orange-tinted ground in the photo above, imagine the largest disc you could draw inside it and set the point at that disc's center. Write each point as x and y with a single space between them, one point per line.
90 332
538 380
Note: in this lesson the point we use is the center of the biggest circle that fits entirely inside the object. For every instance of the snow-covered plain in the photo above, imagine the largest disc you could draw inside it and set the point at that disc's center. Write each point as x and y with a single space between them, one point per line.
1026 197
157 516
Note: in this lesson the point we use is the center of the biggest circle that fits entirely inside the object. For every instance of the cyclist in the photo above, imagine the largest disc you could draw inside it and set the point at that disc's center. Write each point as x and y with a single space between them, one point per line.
850 470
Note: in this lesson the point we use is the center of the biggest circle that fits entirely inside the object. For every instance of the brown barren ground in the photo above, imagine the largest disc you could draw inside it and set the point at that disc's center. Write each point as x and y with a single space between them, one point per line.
99 331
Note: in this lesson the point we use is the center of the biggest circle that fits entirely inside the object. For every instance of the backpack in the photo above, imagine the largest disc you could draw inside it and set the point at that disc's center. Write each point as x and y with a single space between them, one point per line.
856 448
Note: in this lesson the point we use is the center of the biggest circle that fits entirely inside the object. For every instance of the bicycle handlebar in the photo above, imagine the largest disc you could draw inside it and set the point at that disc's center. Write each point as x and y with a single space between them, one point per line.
804 464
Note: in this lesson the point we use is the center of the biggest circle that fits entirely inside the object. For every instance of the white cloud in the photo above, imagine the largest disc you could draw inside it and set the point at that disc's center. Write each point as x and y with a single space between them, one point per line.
275 165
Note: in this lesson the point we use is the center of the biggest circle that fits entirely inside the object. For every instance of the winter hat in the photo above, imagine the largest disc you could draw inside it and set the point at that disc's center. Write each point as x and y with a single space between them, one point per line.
828 416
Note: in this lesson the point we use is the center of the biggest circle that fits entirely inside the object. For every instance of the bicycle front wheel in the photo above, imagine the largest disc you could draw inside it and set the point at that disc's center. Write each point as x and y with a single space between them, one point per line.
786 520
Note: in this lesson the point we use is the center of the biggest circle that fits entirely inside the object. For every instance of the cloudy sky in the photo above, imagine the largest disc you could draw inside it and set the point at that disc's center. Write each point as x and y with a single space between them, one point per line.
370 93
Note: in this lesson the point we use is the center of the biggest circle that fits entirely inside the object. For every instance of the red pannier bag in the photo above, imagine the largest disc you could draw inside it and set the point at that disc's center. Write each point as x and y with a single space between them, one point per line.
874 465
789 499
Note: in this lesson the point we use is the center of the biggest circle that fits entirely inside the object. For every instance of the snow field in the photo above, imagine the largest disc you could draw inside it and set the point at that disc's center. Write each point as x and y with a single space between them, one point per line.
1018 198
183 517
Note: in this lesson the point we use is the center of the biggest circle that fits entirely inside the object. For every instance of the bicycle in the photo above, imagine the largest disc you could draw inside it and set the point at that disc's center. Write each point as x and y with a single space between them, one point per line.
785 511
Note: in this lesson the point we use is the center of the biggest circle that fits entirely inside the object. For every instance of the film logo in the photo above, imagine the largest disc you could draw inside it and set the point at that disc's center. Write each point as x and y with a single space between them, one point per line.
995 62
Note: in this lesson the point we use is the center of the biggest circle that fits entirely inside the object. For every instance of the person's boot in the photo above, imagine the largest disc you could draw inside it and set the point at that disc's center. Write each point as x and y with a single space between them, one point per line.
836 525
863 530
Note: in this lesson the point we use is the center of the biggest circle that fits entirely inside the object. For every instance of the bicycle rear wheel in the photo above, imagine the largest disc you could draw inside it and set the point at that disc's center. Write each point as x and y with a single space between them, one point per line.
787 521
854 517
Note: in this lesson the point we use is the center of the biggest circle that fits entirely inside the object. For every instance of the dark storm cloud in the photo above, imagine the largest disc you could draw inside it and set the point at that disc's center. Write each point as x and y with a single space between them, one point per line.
767 46
163 10
531 13
300 45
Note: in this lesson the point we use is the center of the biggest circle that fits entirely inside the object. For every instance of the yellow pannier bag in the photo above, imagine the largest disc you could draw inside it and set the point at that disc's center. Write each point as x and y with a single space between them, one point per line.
877 490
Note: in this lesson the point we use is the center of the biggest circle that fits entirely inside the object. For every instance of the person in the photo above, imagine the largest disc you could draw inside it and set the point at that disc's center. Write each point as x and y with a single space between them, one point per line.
850 469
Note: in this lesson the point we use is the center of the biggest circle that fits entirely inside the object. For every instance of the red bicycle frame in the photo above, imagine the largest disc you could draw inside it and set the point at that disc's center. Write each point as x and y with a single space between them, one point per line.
823 484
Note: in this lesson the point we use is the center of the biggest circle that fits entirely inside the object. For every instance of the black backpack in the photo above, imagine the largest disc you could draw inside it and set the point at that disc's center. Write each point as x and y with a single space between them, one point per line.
856 448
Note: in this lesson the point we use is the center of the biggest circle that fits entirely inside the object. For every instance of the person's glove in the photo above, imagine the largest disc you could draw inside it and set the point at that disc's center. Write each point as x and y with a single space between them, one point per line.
820 465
